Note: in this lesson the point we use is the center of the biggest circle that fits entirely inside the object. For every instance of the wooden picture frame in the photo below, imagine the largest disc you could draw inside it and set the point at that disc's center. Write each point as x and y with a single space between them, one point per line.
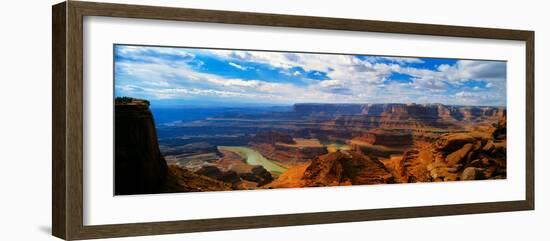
67 152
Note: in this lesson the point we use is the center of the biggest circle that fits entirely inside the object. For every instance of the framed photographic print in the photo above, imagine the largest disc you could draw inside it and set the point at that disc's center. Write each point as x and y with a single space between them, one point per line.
171 120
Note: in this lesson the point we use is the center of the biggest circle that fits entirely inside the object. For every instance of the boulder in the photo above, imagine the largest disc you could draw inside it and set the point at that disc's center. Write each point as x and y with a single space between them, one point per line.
231 177
472 173
215 173
258 175
477 145
451 142
476 163
263 174
500 129
457 156
210 171
489 146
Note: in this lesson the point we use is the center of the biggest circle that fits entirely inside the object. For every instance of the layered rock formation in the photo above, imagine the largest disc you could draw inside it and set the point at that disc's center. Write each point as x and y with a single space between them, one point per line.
322 109
369 144
215 173
458 156
399 115
387 137
272 137
286 150
292 178
335 169
191 156
382 143
182 180
398 111
346 168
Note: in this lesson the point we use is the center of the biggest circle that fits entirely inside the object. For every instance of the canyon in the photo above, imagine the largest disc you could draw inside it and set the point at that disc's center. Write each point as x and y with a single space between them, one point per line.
192 149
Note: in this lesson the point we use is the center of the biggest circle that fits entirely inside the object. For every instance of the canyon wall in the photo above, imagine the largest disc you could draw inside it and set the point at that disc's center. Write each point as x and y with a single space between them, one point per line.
399 115
139 166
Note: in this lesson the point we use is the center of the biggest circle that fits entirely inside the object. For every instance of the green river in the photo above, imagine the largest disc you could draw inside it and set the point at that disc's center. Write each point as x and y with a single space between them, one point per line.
253 157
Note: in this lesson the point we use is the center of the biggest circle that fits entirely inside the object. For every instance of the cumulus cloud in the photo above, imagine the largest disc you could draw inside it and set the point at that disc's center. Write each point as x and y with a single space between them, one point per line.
465 70
173 73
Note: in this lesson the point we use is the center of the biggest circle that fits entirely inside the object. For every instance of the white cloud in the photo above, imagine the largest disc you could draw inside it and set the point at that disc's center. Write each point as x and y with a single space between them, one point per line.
350 79
142 52
465 70
398 60
492 72
463 94
370 71
237 66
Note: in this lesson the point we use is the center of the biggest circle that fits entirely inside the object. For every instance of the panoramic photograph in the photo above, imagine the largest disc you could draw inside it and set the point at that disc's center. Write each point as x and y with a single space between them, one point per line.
203 119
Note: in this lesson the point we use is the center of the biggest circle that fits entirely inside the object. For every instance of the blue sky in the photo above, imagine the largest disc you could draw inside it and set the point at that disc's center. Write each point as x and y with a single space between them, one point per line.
187 76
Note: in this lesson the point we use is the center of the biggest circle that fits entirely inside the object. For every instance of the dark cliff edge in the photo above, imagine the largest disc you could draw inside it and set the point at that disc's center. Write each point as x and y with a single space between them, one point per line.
140 167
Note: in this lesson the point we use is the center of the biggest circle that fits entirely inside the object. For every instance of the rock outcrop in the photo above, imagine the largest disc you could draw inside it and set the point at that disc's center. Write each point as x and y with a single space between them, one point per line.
382 143
345 168
413 166
449 143
392 138
258 175
458 156
292 178
182 180
285 149
215 173
139 165
191 156
272 137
